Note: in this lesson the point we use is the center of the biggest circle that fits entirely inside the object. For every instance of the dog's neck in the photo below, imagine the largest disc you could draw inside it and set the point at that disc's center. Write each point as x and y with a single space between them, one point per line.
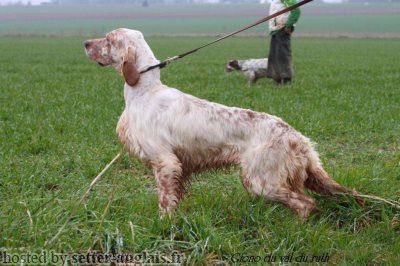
145 56
144 59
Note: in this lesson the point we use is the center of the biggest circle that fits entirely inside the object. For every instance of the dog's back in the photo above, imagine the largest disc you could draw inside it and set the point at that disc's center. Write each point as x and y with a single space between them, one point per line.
254 64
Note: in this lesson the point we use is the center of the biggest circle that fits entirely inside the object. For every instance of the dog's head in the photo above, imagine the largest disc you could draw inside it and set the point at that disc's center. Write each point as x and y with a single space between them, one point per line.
232 66
117 49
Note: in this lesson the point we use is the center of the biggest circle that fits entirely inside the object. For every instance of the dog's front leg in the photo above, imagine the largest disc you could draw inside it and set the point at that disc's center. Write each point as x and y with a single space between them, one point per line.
170 186
251 78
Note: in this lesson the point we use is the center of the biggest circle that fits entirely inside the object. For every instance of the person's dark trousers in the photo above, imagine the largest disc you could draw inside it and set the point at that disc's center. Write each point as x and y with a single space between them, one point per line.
280 58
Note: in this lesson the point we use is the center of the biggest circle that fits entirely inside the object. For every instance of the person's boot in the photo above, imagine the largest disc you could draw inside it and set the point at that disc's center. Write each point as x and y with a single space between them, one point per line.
286 81
278 81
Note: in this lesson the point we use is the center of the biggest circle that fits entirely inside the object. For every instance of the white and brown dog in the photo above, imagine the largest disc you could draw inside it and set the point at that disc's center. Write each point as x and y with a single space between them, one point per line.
253 69
178 134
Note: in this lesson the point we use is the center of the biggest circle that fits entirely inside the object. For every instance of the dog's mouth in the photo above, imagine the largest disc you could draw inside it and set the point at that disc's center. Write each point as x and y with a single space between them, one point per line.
95 56
229 69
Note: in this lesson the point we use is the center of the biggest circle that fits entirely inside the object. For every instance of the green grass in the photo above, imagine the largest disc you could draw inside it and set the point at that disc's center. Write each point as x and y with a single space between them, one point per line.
57 129
317 24
209 19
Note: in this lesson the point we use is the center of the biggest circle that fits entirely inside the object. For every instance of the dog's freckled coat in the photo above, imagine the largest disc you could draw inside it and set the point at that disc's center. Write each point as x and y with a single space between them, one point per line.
253 69
178 134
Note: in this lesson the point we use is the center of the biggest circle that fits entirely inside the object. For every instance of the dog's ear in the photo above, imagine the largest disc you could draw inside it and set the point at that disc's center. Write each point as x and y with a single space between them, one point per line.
235 64
129 70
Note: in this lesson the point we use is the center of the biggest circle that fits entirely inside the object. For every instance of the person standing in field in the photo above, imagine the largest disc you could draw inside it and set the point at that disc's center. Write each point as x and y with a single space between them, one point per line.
280 53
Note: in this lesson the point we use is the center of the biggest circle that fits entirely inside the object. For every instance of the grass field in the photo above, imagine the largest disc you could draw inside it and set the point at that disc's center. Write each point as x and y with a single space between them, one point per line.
84 20
57 129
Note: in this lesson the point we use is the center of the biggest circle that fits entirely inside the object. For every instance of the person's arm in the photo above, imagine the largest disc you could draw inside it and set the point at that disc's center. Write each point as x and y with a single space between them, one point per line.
294 14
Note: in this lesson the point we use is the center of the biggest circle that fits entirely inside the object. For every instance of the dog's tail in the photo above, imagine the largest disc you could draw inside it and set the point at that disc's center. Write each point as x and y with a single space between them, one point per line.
319 180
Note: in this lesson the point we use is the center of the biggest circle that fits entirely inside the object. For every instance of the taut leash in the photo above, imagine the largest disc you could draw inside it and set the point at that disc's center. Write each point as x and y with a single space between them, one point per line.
262 20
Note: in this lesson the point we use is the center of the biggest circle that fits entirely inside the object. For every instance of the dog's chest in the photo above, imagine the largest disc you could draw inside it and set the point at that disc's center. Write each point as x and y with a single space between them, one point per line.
127 136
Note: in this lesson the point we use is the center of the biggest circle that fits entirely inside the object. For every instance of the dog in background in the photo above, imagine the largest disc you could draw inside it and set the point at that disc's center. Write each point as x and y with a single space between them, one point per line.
253 69
177 134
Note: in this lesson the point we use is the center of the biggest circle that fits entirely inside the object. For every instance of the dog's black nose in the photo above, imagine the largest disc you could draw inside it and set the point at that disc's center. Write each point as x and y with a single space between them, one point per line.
87 44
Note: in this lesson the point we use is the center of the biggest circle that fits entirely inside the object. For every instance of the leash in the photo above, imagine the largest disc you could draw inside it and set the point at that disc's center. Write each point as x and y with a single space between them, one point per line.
262 20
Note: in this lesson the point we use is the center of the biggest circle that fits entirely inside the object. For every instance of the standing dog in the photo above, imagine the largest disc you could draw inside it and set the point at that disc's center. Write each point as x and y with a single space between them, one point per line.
253 69
178 134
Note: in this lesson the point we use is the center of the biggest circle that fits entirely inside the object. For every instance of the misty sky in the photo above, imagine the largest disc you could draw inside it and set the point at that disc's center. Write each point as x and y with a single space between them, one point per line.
37 2
33 2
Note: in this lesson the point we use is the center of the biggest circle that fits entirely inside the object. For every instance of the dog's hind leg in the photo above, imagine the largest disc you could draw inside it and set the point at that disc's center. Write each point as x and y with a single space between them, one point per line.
273 184
296 201
170 182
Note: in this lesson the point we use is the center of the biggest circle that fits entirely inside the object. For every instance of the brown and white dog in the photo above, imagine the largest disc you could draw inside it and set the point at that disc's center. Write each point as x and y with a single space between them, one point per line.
178 134
253 69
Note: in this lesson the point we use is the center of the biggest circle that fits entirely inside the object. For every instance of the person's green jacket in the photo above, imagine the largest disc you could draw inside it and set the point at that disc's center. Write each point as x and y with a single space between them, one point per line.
284 20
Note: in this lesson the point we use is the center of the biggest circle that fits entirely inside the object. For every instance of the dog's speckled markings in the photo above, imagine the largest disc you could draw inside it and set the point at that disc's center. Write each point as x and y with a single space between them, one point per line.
178 134
253 69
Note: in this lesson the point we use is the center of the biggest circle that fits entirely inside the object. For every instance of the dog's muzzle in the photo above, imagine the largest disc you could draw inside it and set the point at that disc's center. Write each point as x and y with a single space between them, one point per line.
229 69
